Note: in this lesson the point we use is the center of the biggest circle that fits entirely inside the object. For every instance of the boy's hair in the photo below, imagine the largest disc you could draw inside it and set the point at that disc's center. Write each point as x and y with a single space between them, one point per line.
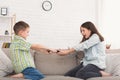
21 25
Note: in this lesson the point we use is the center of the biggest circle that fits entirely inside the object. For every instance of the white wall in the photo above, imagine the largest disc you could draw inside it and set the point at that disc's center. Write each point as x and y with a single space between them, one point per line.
58 28
110 22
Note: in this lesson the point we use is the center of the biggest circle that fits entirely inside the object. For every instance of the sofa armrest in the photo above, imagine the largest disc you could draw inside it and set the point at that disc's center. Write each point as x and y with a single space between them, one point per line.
113 64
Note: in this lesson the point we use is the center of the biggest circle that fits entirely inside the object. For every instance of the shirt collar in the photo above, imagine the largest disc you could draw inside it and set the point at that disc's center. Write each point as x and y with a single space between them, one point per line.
19 37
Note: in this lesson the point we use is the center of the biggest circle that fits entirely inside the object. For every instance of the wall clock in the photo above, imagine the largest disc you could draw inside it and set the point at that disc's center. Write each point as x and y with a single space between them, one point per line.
47 5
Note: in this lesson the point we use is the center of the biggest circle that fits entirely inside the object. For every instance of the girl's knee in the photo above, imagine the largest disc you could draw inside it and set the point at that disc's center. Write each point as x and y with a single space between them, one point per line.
80 75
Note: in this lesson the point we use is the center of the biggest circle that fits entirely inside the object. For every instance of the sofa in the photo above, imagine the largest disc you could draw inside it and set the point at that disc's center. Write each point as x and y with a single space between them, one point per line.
54 66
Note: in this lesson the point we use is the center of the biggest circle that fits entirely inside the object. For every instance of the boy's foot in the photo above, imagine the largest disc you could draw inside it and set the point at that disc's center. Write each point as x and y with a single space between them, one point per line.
105 74
20 75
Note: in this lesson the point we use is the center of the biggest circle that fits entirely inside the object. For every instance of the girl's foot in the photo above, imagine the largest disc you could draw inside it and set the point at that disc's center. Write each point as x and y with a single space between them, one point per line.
105 74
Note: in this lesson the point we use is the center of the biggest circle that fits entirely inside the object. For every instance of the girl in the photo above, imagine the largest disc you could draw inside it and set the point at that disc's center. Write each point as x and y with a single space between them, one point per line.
93 63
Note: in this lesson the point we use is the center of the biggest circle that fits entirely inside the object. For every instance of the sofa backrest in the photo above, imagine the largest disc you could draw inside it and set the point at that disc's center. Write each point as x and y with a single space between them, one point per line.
53 64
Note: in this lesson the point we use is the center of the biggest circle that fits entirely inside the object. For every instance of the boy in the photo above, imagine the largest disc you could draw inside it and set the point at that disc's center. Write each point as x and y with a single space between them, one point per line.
22 60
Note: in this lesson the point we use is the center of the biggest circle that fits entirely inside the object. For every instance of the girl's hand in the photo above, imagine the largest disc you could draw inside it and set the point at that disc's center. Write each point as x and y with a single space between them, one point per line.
63 52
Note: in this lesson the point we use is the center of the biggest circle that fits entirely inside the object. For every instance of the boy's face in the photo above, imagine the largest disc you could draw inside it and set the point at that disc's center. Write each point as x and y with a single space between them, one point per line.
24 33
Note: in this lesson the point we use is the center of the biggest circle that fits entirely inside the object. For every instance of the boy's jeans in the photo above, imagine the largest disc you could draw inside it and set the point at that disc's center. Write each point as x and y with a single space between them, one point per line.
32 74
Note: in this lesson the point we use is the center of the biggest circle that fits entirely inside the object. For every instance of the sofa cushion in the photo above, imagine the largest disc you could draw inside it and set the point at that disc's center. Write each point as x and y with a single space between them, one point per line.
105 78
46 78
60 78
9 78
113 64
54 64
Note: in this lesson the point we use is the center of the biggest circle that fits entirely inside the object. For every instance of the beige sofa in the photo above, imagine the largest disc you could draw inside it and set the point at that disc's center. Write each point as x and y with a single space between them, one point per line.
54 66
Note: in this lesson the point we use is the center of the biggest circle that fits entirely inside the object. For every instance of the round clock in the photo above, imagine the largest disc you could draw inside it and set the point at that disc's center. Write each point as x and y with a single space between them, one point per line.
47 5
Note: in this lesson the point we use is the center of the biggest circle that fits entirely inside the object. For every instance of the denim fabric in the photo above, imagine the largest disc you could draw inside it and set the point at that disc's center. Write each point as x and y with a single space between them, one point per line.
32 74
84 72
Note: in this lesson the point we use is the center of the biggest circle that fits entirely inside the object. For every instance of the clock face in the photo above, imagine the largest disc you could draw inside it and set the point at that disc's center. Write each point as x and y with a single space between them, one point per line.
47 5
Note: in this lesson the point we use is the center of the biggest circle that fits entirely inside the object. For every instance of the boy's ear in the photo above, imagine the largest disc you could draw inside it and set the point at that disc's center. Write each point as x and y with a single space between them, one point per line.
20 32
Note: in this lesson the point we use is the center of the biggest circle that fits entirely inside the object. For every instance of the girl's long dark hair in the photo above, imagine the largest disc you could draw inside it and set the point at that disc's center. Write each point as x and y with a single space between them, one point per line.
90 26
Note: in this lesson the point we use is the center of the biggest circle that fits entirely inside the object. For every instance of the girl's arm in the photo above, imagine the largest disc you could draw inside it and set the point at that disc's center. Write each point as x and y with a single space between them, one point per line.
63 52
93 40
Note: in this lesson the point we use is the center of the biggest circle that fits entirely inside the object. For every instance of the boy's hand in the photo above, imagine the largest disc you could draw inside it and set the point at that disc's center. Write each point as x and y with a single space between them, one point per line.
52 51
46 51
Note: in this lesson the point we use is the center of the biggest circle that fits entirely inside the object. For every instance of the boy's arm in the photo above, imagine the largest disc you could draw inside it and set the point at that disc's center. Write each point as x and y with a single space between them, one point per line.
42 48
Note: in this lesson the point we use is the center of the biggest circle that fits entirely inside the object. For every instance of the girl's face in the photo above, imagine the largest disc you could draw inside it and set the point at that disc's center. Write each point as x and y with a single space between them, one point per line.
24 33
85 32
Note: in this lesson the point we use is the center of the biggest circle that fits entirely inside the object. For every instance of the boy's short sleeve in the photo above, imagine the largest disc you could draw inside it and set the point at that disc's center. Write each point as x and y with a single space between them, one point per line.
21 44
24 45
